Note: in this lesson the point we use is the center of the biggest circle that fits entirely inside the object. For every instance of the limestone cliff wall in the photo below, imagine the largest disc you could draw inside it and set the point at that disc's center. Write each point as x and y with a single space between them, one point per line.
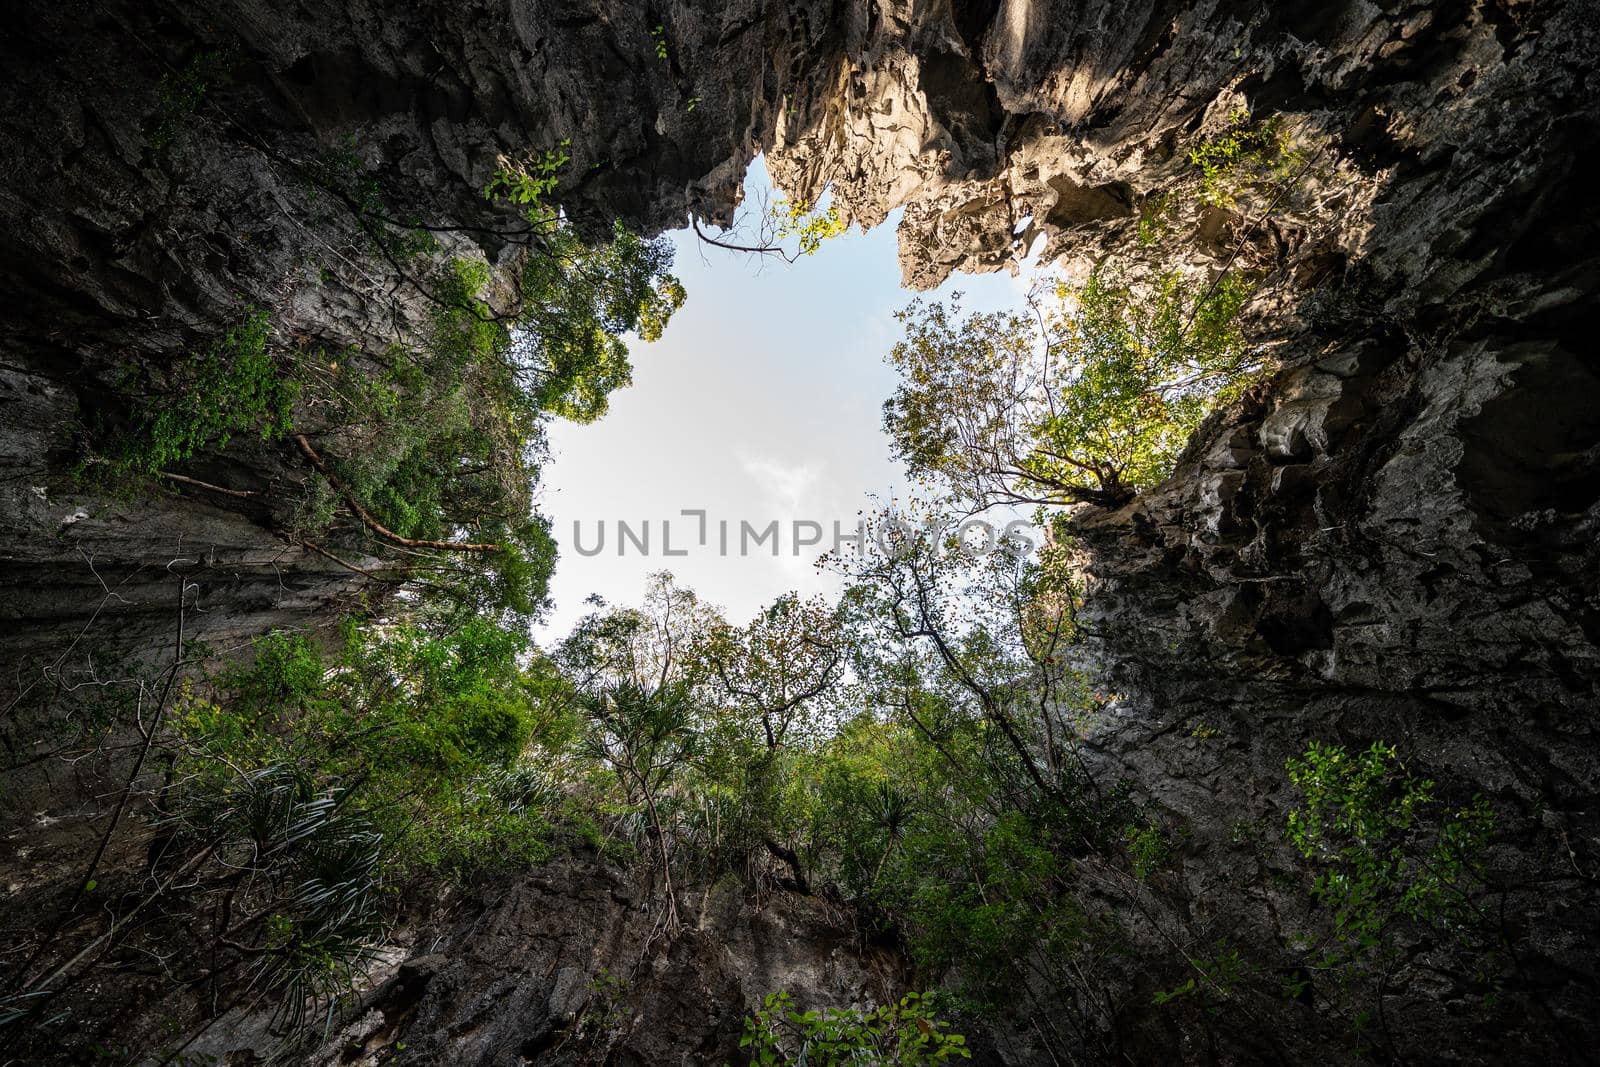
567 965
1393 538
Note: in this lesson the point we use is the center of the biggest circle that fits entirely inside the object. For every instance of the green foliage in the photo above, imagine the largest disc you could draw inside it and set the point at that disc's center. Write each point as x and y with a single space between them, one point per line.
1126 374
414 731
986 902
658 42
503 818
1150 367
807 223
231 387
1248 155
904 1034
453 429
440 436
953 810
608 1007
1148 847
311 782
577 303
1153 219
644 735
180 93
323 912
1384 843
527 185
1218 975
1167 996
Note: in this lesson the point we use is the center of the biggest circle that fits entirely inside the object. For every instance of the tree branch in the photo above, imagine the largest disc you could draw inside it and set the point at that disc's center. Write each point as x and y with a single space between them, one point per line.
373 524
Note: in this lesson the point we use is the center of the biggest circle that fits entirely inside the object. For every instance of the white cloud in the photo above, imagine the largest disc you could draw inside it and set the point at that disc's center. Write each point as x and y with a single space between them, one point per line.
787 486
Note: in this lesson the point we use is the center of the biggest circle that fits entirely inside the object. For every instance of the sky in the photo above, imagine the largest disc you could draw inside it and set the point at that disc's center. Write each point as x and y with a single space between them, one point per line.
762 401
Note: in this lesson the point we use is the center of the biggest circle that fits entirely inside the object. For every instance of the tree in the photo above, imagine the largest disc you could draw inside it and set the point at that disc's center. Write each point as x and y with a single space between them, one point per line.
780 667
442 441
645 736
777 674
1086 397
432 442
648 647
937 630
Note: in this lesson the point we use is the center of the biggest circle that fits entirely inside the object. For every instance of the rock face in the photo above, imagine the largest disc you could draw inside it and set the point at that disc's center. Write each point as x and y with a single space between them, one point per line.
169 168
1394 538
493 992
565 967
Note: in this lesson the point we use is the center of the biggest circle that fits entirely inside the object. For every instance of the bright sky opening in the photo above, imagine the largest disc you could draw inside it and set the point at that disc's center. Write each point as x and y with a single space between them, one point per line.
762 402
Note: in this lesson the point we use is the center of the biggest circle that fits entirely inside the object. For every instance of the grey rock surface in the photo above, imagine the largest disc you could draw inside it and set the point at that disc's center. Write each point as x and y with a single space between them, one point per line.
1393 538
570 966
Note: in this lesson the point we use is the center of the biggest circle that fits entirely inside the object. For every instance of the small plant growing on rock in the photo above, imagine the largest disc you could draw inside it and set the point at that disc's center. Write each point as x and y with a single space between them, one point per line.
527 184
181 92
1154 219
1385 845
1248 154
231 387
1217 975
1148 848
607 1008
903 1034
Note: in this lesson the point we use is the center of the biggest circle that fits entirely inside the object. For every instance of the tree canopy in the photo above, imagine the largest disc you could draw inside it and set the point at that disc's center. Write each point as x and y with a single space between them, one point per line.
1086 396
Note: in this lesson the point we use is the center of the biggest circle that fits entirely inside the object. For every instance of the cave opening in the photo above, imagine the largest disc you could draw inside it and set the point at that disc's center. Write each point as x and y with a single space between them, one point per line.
1027 531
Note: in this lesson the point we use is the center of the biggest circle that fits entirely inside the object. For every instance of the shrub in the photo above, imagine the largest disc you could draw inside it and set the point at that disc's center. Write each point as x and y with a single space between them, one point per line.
231 387
1249 154
903 1034
1384 844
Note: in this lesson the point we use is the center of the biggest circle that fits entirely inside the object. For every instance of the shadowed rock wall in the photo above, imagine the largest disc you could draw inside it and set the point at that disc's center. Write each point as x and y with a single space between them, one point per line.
1394 538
